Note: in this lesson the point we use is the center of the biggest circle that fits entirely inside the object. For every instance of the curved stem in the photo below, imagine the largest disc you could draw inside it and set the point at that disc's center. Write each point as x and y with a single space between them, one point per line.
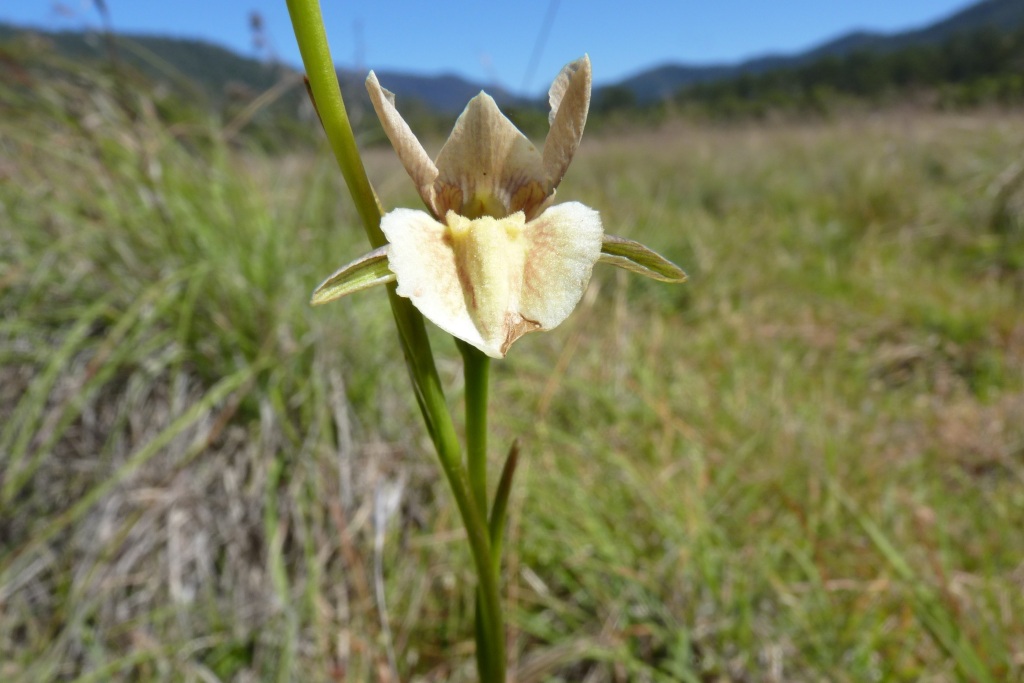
490 627
316 57
308 24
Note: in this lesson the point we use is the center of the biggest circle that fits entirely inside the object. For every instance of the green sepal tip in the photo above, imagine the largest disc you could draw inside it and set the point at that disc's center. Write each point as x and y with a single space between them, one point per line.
637 258
365 272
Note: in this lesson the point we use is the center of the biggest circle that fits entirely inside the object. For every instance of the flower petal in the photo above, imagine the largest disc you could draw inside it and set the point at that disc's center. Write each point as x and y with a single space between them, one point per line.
570 101
634 256
487 167
415 159
420 254
489 281
363 273
563 244
490 255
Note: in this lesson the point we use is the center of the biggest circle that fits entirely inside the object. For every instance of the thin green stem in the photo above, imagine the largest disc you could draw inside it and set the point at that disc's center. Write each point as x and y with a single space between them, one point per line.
308 24
312 39
323 84
490 620
477 367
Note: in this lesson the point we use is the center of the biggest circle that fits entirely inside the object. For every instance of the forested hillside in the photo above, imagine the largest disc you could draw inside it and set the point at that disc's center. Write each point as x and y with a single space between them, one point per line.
973 58
981 67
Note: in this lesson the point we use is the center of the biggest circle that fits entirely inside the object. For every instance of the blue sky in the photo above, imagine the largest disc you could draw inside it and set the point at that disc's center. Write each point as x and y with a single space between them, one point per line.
489 42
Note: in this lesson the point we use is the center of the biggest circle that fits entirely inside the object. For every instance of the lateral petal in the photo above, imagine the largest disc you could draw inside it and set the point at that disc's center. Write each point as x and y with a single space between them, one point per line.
569 98
415 159
490 281
563 244
487 167
421 256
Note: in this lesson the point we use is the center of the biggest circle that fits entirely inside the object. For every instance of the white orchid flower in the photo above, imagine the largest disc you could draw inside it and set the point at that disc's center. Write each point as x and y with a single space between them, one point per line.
493 260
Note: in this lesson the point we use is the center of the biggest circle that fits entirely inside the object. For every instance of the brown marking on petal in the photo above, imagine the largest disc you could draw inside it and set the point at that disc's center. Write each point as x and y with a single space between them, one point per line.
515 327
528 197
448 197
468 291
487 156
542 243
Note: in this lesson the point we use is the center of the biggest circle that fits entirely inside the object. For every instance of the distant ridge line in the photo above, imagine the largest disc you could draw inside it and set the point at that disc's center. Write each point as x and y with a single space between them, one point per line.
214 67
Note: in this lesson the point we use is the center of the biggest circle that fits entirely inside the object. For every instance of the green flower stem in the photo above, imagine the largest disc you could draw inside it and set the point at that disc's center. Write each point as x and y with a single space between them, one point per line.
476 366
307 22
477 370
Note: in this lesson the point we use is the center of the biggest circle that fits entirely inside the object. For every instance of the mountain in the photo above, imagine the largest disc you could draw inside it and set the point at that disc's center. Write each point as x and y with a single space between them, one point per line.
998 14
183 62
218 71
664 81
446 93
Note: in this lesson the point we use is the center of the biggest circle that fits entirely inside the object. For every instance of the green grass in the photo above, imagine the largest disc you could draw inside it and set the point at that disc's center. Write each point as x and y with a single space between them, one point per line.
806 464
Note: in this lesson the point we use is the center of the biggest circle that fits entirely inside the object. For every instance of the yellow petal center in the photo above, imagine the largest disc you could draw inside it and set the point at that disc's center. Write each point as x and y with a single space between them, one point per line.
483 204
490 255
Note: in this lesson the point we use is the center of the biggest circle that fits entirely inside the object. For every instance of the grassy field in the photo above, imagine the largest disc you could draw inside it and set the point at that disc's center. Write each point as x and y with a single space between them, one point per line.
806 464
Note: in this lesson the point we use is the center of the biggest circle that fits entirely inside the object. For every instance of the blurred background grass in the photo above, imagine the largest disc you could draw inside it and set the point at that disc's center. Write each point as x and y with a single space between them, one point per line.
804 465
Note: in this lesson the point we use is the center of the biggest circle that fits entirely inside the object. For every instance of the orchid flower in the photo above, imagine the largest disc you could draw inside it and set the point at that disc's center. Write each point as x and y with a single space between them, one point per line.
494 259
